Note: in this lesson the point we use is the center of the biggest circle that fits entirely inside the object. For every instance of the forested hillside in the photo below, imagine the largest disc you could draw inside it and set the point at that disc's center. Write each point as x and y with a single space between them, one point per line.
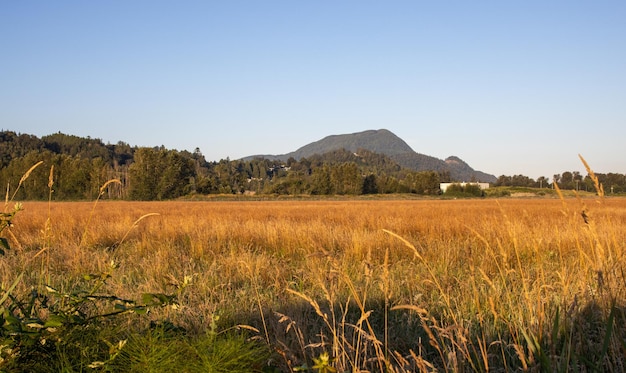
385 142
75 168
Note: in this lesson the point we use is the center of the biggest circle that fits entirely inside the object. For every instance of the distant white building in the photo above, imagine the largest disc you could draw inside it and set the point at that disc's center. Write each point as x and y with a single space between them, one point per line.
444 186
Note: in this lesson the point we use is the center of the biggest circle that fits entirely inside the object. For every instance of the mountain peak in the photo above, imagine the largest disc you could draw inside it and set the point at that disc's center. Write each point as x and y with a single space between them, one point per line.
454 160
379 141
385 142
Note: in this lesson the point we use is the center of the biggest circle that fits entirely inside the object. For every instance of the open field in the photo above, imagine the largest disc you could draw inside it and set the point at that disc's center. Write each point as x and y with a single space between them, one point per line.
457 285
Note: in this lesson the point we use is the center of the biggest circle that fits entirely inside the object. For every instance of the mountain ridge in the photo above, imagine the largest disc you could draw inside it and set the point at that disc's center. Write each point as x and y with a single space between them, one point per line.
385 142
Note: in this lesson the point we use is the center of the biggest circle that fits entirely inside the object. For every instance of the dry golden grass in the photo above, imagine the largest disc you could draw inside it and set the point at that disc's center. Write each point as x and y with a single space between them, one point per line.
460 285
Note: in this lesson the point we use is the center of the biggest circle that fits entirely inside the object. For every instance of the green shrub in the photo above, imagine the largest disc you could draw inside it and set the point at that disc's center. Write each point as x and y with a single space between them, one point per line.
229 352
464 191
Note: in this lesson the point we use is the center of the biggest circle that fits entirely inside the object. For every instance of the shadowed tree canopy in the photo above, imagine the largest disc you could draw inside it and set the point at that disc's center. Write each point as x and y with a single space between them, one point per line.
82 165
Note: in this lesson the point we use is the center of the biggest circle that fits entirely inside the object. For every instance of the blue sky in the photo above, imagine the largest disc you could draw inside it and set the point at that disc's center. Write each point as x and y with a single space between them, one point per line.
511 87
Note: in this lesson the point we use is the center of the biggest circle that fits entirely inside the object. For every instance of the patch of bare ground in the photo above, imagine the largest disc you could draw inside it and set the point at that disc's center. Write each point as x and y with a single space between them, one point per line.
523 194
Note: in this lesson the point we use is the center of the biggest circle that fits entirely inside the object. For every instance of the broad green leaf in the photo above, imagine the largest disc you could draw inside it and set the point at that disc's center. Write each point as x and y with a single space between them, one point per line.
147 298
54 321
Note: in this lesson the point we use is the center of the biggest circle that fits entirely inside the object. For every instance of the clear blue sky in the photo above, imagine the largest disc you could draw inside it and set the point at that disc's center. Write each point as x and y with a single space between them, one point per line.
511 87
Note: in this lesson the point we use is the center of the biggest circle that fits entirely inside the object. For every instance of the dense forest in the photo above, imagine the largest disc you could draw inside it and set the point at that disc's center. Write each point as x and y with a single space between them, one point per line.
574 180
75 168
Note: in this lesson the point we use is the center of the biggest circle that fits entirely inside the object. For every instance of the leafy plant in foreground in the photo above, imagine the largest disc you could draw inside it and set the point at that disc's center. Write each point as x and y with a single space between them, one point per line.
5 222
40 321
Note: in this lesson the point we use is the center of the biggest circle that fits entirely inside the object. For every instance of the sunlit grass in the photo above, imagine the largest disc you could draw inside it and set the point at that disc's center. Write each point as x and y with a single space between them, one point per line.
463 285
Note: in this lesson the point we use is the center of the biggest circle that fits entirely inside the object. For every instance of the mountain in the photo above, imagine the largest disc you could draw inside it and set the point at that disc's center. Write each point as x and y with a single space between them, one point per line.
385 142
381 141
465 172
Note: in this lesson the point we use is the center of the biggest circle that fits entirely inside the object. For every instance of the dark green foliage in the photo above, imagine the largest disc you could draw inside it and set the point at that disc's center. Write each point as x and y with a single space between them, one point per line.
394 149
52 331
518 181
43 330
426 182
160 174
72 331
498 192
77 146
321 181
80 329
158 349
166 348
462 191
346 179
614 183
82 165
290 185
369 185
474 190
14 146
229 352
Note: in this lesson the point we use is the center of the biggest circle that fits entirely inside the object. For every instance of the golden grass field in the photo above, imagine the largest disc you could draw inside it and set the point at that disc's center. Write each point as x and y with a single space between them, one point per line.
412 285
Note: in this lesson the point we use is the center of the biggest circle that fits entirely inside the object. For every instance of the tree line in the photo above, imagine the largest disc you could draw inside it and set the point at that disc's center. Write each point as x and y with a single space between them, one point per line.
572 180
75 168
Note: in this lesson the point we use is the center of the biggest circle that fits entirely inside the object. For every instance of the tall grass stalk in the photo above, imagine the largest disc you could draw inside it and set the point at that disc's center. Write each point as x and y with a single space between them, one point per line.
93 209
380 286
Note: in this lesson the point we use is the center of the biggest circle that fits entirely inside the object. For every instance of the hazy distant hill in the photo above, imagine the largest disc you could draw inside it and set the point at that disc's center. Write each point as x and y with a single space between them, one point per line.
385 142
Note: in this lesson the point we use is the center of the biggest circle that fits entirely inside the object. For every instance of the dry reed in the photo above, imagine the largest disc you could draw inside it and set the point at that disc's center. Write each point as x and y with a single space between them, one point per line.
473 285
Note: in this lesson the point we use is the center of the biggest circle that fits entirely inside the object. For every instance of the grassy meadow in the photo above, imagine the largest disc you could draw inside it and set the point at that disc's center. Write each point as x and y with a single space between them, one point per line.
318 286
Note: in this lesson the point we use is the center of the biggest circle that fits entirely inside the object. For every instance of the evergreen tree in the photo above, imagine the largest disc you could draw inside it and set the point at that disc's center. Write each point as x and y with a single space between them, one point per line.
369 185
